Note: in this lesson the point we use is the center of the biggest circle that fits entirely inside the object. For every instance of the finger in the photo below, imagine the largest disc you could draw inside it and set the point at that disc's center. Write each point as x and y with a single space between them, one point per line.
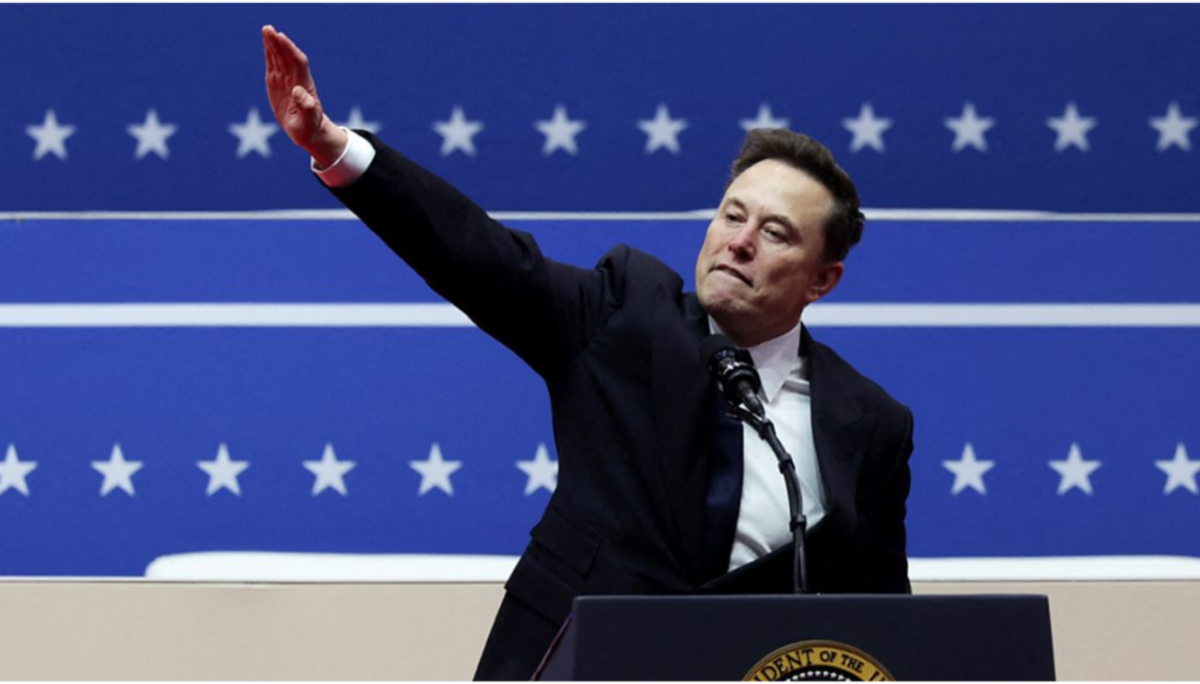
278 58
287 50
305 101
277 86
277 65
295 61
268 59
308 107
272 44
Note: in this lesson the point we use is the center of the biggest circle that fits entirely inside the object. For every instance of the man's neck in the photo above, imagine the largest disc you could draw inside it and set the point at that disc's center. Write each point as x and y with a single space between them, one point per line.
748 340
747 343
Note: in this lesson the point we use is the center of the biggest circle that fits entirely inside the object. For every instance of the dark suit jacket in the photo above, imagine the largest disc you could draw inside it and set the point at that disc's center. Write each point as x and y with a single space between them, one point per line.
618 348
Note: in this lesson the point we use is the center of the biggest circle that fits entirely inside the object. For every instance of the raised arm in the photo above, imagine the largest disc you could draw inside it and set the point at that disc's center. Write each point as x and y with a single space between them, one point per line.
543 310
293 96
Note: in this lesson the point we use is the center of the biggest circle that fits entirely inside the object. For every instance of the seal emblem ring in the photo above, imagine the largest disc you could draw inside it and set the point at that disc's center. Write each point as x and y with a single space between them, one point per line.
821 661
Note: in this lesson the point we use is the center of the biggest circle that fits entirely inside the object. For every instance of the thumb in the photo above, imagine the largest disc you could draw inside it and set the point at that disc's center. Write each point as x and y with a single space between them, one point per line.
303 99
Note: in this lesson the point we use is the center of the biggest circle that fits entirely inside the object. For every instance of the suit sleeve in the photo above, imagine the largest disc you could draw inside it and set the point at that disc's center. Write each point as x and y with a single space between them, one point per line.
543 310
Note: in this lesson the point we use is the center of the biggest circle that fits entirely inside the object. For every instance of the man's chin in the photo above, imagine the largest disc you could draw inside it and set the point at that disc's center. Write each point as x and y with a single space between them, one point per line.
725 311
723 296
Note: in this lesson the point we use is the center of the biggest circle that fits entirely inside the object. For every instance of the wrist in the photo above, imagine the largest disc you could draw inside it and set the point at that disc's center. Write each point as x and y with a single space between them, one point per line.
328 145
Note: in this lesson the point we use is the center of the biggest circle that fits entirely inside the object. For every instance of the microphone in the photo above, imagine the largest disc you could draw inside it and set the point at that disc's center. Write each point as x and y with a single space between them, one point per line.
739 383
734 370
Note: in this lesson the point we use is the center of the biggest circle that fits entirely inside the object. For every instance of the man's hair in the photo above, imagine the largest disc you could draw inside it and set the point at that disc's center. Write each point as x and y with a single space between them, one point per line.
844 224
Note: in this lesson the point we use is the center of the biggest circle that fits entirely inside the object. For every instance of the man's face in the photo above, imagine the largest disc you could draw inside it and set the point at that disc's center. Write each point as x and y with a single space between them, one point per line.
761 263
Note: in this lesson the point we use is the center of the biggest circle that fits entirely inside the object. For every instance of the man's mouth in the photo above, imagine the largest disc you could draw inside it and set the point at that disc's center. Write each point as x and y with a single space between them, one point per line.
732 271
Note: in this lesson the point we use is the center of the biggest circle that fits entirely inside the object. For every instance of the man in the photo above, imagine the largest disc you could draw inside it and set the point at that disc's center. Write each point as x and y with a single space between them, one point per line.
658 492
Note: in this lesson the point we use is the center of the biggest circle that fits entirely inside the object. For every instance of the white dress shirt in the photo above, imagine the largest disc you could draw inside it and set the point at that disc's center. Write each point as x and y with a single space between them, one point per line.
763 516
349 167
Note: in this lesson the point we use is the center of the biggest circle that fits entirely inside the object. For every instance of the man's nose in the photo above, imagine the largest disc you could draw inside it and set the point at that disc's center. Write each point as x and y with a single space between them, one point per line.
745 241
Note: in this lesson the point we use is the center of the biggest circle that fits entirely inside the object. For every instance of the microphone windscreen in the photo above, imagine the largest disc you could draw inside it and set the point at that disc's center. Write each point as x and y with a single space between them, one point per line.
712 344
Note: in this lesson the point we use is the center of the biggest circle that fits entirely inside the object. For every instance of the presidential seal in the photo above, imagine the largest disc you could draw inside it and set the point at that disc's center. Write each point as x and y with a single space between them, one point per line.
823 661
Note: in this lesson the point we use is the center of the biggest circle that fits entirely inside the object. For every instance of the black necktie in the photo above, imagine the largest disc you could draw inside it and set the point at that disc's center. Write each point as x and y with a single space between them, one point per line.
724 496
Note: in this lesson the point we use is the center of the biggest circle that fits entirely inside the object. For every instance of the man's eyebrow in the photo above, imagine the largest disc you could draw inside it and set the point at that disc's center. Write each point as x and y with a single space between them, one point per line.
778 218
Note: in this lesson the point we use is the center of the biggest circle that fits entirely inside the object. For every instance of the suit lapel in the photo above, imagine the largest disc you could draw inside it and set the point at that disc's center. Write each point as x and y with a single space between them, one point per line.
682 398
840 433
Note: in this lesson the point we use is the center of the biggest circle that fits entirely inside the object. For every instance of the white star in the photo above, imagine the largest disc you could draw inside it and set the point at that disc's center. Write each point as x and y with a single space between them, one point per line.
867 130
13 471
1180 471
222 472
1173 129
969 129
457 133
329 472
662 131
435 472
51 137
764 120
1075 471
542 472
117 472
152 136
1072 129
253 135
560 132
968 472
357 122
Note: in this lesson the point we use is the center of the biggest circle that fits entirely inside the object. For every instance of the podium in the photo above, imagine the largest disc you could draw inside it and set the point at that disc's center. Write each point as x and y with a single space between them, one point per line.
773 637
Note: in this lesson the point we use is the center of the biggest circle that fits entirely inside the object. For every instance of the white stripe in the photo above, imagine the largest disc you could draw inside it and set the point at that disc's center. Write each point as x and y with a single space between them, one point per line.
1005 315
208 315
266 215
253 566
340 215
615 216
232 315
1004 216
910 215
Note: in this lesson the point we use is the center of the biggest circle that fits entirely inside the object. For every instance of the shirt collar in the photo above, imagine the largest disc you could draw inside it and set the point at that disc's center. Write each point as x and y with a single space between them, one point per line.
775 359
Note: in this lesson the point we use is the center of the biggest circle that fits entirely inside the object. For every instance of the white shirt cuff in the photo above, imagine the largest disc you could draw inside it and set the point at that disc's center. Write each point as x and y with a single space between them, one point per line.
350 166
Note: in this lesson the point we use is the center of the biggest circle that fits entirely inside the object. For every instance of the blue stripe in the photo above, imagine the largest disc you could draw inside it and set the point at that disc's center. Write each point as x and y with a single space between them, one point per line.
382 397
341 261
610 66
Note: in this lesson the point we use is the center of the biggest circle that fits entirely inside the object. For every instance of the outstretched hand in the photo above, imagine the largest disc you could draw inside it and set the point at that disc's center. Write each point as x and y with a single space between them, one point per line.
293 96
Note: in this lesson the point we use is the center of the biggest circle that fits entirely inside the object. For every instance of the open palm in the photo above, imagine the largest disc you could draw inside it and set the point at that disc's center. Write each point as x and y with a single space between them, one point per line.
291 89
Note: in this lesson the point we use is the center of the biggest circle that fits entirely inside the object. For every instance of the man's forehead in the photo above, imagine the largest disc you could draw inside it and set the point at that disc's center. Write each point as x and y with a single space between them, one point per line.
777 183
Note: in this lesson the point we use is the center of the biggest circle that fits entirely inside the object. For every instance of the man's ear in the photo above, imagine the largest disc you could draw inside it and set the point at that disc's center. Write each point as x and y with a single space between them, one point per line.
827 278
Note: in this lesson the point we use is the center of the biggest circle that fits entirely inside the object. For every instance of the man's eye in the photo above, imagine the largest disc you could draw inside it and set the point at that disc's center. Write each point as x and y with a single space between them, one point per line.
775 235
733 218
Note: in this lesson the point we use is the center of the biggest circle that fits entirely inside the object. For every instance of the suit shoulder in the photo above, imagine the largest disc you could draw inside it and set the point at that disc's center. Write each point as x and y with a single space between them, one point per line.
868 392
630 265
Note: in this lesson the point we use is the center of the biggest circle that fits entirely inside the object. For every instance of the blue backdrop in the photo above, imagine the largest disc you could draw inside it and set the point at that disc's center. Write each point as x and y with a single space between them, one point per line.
382 396
101 69
1020 395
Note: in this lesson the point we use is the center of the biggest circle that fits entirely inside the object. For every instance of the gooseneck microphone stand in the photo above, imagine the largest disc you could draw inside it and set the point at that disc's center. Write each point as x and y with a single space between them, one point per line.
799 524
